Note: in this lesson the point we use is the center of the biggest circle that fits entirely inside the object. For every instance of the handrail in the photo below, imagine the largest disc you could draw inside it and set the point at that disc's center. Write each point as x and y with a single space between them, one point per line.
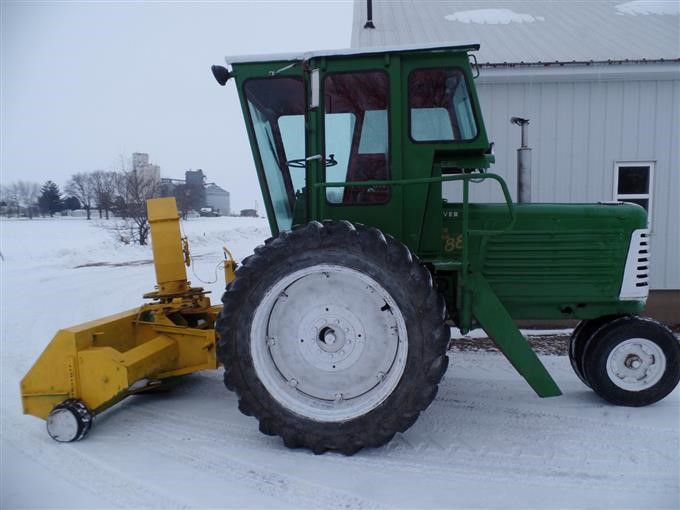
444 178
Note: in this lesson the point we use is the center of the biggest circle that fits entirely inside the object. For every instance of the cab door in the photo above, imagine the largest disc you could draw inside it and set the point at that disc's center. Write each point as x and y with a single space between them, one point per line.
353 138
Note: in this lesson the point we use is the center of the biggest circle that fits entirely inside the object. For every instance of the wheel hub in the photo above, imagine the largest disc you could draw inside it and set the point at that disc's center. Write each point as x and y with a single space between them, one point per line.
62 425
331 337
69 421
327 337
633 361
636 364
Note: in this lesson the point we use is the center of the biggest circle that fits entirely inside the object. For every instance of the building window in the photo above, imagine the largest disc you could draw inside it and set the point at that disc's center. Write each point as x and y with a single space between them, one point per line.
633 183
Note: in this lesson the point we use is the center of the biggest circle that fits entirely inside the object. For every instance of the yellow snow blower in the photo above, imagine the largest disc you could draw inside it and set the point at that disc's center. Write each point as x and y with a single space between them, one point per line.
87 368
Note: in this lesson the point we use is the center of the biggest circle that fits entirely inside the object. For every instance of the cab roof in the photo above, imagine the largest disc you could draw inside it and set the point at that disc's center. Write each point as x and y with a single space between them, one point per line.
300 56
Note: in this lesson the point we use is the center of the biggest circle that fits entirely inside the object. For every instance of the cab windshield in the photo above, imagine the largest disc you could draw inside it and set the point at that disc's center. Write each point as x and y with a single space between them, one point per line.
276 107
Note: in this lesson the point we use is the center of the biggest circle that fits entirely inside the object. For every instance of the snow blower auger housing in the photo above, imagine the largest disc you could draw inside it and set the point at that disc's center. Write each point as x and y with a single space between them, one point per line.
87 368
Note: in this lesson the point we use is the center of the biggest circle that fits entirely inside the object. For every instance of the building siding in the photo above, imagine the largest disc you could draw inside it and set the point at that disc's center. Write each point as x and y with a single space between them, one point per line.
578 130
218 199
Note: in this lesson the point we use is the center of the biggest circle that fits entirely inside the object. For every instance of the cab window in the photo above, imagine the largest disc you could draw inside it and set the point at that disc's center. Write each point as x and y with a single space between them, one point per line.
276 109
357 135
440 108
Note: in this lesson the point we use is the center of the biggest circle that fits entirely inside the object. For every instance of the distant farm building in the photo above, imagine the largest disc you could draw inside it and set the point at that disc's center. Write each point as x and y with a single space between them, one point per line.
251 213
193 193
217 199
147 171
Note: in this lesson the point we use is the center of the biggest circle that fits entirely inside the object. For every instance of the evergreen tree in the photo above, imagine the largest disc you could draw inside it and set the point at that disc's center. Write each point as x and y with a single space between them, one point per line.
50 198
72 203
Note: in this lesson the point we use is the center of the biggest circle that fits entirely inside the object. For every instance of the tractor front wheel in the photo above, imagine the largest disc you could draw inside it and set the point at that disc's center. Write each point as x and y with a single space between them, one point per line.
333 337
579 339
632 361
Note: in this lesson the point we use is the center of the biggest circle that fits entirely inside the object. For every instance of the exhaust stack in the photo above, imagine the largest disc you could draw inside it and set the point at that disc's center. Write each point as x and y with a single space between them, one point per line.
369 14
523 162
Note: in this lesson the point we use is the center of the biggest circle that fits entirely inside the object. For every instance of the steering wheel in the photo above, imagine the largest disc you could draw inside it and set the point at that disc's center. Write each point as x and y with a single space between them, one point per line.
302 162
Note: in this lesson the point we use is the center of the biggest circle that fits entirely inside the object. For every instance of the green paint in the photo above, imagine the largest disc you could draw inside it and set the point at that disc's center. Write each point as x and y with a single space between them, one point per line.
502 330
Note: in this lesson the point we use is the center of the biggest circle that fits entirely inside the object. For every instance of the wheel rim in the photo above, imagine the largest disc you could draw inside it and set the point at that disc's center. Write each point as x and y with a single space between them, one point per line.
329 342
636 364
62 425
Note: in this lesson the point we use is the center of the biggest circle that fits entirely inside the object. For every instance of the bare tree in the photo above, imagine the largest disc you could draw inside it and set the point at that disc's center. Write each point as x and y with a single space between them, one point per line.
105 185
10 195
27 194
81 186
20 197
134 189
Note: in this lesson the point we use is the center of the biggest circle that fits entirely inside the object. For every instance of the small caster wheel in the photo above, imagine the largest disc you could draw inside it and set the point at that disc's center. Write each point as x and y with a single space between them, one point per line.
632 361
69 421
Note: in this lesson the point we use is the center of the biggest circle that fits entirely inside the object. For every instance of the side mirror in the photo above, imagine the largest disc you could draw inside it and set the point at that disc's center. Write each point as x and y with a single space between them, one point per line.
221 74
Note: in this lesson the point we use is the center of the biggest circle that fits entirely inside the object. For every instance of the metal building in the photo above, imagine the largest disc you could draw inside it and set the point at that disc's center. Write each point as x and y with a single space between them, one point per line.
218 199
600 83
148 171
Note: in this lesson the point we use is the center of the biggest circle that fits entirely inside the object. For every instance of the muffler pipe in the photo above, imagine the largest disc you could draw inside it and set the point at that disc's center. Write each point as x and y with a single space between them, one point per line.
523 162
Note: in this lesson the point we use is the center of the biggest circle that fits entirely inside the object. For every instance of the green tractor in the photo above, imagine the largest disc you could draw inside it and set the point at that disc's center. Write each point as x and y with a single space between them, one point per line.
334 333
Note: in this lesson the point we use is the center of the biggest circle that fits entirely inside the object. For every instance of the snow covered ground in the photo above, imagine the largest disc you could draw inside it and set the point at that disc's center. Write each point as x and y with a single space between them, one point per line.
486 442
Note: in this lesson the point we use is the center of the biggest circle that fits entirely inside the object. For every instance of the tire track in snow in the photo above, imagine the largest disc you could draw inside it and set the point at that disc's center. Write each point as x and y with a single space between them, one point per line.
161 429
71 463
442 462
545 420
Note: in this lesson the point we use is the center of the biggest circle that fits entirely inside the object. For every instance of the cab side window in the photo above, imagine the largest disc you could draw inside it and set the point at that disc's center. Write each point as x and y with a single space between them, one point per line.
440 108
357 135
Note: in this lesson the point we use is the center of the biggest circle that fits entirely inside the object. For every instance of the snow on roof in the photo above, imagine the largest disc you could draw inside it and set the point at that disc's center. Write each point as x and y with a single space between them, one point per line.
529 31
492 17
648 7
278 57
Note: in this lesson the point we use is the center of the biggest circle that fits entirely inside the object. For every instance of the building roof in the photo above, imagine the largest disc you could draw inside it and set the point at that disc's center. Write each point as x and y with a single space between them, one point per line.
213 188
529 31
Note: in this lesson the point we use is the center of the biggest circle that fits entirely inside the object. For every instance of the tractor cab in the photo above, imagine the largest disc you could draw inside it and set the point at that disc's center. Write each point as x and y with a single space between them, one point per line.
333 133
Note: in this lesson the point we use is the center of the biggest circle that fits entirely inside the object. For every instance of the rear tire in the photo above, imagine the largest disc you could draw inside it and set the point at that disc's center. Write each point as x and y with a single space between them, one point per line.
632 361
333 337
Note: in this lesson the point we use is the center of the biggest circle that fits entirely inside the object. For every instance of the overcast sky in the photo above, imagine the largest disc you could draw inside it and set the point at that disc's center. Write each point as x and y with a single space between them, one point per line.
84 83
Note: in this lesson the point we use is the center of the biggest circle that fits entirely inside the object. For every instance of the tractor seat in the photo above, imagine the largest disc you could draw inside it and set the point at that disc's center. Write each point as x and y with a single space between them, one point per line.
367 167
